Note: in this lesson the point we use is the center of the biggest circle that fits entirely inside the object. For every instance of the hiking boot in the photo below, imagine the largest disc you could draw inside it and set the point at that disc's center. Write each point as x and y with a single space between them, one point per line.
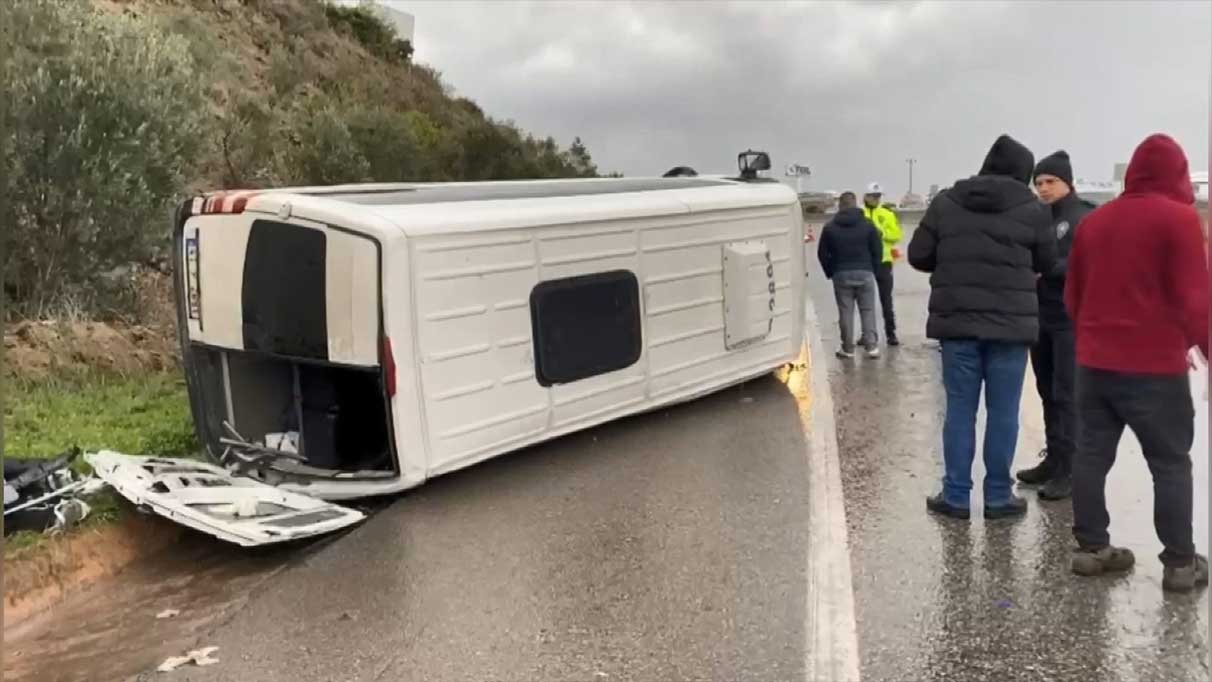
892 340
937 505
1060 487
1186 578
845 354
1089 563
873 352
1040 473
1013 509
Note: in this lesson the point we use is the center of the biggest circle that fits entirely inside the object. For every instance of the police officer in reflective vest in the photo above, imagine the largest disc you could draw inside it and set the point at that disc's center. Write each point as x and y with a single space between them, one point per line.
890 232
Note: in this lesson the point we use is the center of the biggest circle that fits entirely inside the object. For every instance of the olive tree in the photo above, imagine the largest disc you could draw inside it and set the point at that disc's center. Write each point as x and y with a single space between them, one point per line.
105 118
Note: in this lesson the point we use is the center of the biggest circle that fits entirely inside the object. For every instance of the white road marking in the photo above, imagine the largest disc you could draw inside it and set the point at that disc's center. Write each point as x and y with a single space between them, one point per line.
832 633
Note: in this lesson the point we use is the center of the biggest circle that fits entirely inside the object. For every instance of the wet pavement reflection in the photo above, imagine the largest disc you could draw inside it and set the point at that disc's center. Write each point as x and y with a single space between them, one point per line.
938 599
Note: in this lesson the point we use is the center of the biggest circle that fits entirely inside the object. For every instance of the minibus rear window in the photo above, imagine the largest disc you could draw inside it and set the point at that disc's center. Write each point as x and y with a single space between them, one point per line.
283 295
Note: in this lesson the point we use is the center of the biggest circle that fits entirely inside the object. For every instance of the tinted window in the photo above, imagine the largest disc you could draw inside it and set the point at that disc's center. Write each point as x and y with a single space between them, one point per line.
585 326
284 304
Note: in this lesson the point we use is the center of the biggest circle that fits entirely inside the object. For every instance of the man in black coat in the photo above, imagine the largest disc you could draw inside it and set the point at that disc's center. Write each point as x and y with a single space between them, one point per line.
1053 357
850 251
984 241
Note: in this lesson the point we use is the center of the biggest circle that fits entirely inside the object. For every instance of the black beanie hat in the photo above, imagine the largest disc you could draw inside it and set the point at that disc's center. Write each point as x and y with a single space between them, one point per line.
1056 163
1009 157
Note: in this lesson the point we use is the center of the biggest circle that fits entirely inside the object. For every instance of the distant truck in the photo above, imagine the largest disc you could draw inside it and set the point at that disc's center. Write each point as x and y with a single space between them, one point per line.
816 203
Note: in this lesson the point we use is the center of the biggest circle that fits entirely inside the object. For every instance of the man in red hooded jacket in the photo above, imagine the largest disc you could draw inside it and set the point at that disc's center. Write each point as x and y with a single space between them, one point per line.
1137 292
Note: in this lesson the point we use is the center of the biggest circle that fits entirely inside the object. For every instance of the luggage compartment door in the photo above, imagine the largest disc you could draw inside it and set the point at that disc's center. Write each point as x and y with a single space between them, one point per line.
748 293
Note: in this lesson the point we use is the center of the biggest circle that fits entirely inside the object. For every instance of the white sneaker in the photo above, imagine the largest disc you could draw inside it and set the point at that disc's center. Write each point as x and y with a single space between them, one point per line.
873 352
845 354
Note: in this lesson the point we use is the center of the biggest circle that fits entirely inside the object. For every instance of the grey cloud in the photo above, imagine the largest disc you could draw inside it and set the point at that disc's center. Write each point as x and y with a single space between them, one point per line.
850 88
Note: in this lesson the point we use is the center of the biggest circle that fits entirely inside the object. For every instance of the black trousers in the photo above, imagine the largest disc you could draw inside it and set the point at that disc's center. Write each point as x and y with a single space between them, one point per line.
1159 411
883 280
1054 359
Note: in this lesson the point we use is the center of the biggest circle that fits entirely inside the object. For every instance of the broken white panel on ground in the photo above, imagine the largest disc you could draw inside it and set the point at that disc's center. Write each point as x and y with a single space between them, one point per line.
210 499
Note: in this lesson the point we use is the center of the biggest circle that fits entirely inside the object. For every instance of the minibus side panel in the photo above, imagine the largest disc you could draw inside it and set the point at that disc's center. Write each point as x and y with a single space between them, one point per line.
476 343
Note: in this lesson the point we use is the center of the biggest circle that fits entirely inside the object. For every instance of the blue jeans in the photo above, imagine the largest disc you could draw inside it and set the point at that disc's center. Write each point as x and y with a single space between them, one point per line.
1000 367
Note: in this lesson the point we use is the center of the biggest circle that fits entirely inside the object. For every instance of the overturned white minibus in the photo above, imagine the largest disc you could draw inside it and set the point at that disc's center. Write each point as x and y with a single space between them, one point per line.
356 340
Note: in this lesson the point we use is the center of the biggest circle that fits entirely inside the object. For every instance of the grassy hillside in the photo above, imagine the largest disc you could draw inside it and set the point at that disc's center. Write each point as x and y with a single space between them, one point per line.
118 108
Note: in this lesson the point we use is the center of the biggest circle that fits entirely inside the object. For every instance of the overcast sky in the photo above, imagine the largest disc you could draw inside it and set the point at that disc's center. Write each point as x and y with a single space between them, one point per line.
850 89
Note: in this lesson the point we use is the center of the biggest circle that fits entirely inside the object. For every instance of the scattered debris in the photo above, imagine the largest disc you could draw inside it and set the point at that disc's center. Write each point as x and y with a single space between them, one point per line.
283 442
42 495
199 657
243 456
69 513
167 613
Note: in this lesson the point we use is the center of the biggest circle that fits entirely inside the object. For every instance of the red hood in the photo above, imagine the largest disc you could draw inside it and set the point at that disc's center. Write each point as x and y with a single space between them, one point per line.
1159 165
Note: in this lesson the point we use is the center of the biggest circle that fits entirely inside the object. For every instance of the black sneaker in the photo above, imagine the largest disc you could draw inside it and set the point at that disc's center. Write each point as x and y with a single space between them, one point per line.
937 505
1059 488
1014 509
892 340
1040 473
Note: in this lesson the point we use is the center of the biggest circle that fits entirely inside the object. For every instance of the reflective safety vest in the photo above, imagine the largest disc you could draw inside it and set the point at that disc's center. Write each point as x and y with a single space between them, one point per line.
890 228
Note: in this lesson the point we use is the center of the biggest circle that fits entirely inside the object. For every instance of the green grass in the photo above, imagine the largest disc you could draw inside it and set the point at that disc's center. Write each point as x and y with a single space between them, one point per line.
140 415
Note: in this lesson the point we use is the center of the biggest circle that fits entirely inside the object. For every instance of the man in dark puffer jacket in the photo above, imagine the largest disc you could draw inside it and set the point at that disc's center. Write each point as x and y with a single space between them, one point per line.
984 241
850 251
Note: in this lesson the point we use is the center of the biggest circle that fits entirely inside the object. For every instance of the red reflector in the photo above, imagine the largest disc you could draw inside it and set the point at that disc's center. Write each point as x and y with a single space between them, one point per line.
389 368
223 202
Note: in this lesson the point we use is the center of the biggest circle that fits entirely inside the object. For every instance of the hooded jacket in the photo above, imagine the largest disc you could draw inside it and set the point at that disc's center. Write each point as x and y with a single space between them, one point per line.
983 241
849 242
1137 285
1066 215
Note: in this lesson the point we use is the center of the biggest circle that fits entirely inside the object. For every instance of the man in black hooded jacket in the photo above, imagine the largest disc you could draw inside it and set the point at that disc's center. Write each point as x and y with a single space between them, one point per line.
1054 356
850 252
984 241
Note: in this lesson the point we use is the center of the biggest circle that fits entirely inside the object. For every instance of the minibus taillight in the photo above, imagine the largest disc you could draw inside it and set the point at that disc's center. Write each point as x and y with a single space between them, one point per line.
389 368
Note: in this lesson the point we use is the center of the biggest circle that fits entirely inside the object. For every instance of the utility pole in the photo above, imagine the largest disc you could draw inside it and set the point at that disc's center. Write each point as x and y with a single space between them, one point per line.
910 162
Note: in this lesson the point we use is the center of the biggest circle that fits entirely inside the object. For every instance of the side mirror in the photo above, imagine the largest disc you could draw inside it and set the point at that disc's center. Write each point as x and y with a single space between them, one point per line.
750 162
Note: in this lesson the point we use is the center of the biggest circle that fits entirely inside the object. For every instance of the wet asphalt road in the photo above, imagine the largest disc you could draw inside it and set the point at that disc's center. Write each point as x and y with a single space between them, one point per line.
948 600
668 546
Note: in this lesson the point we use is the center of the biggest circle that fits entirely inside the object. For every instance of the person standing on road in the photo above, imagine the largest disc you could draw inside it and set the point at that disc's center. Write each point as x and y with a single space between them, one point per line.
1137 292
1053 357
984 241
850 251
890 232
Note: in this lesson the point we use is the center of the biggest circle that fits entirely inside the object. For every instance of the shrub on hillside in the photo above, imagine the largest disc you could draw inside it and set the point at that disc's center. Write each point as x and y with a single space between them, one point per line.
320 149
377 36
105 117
